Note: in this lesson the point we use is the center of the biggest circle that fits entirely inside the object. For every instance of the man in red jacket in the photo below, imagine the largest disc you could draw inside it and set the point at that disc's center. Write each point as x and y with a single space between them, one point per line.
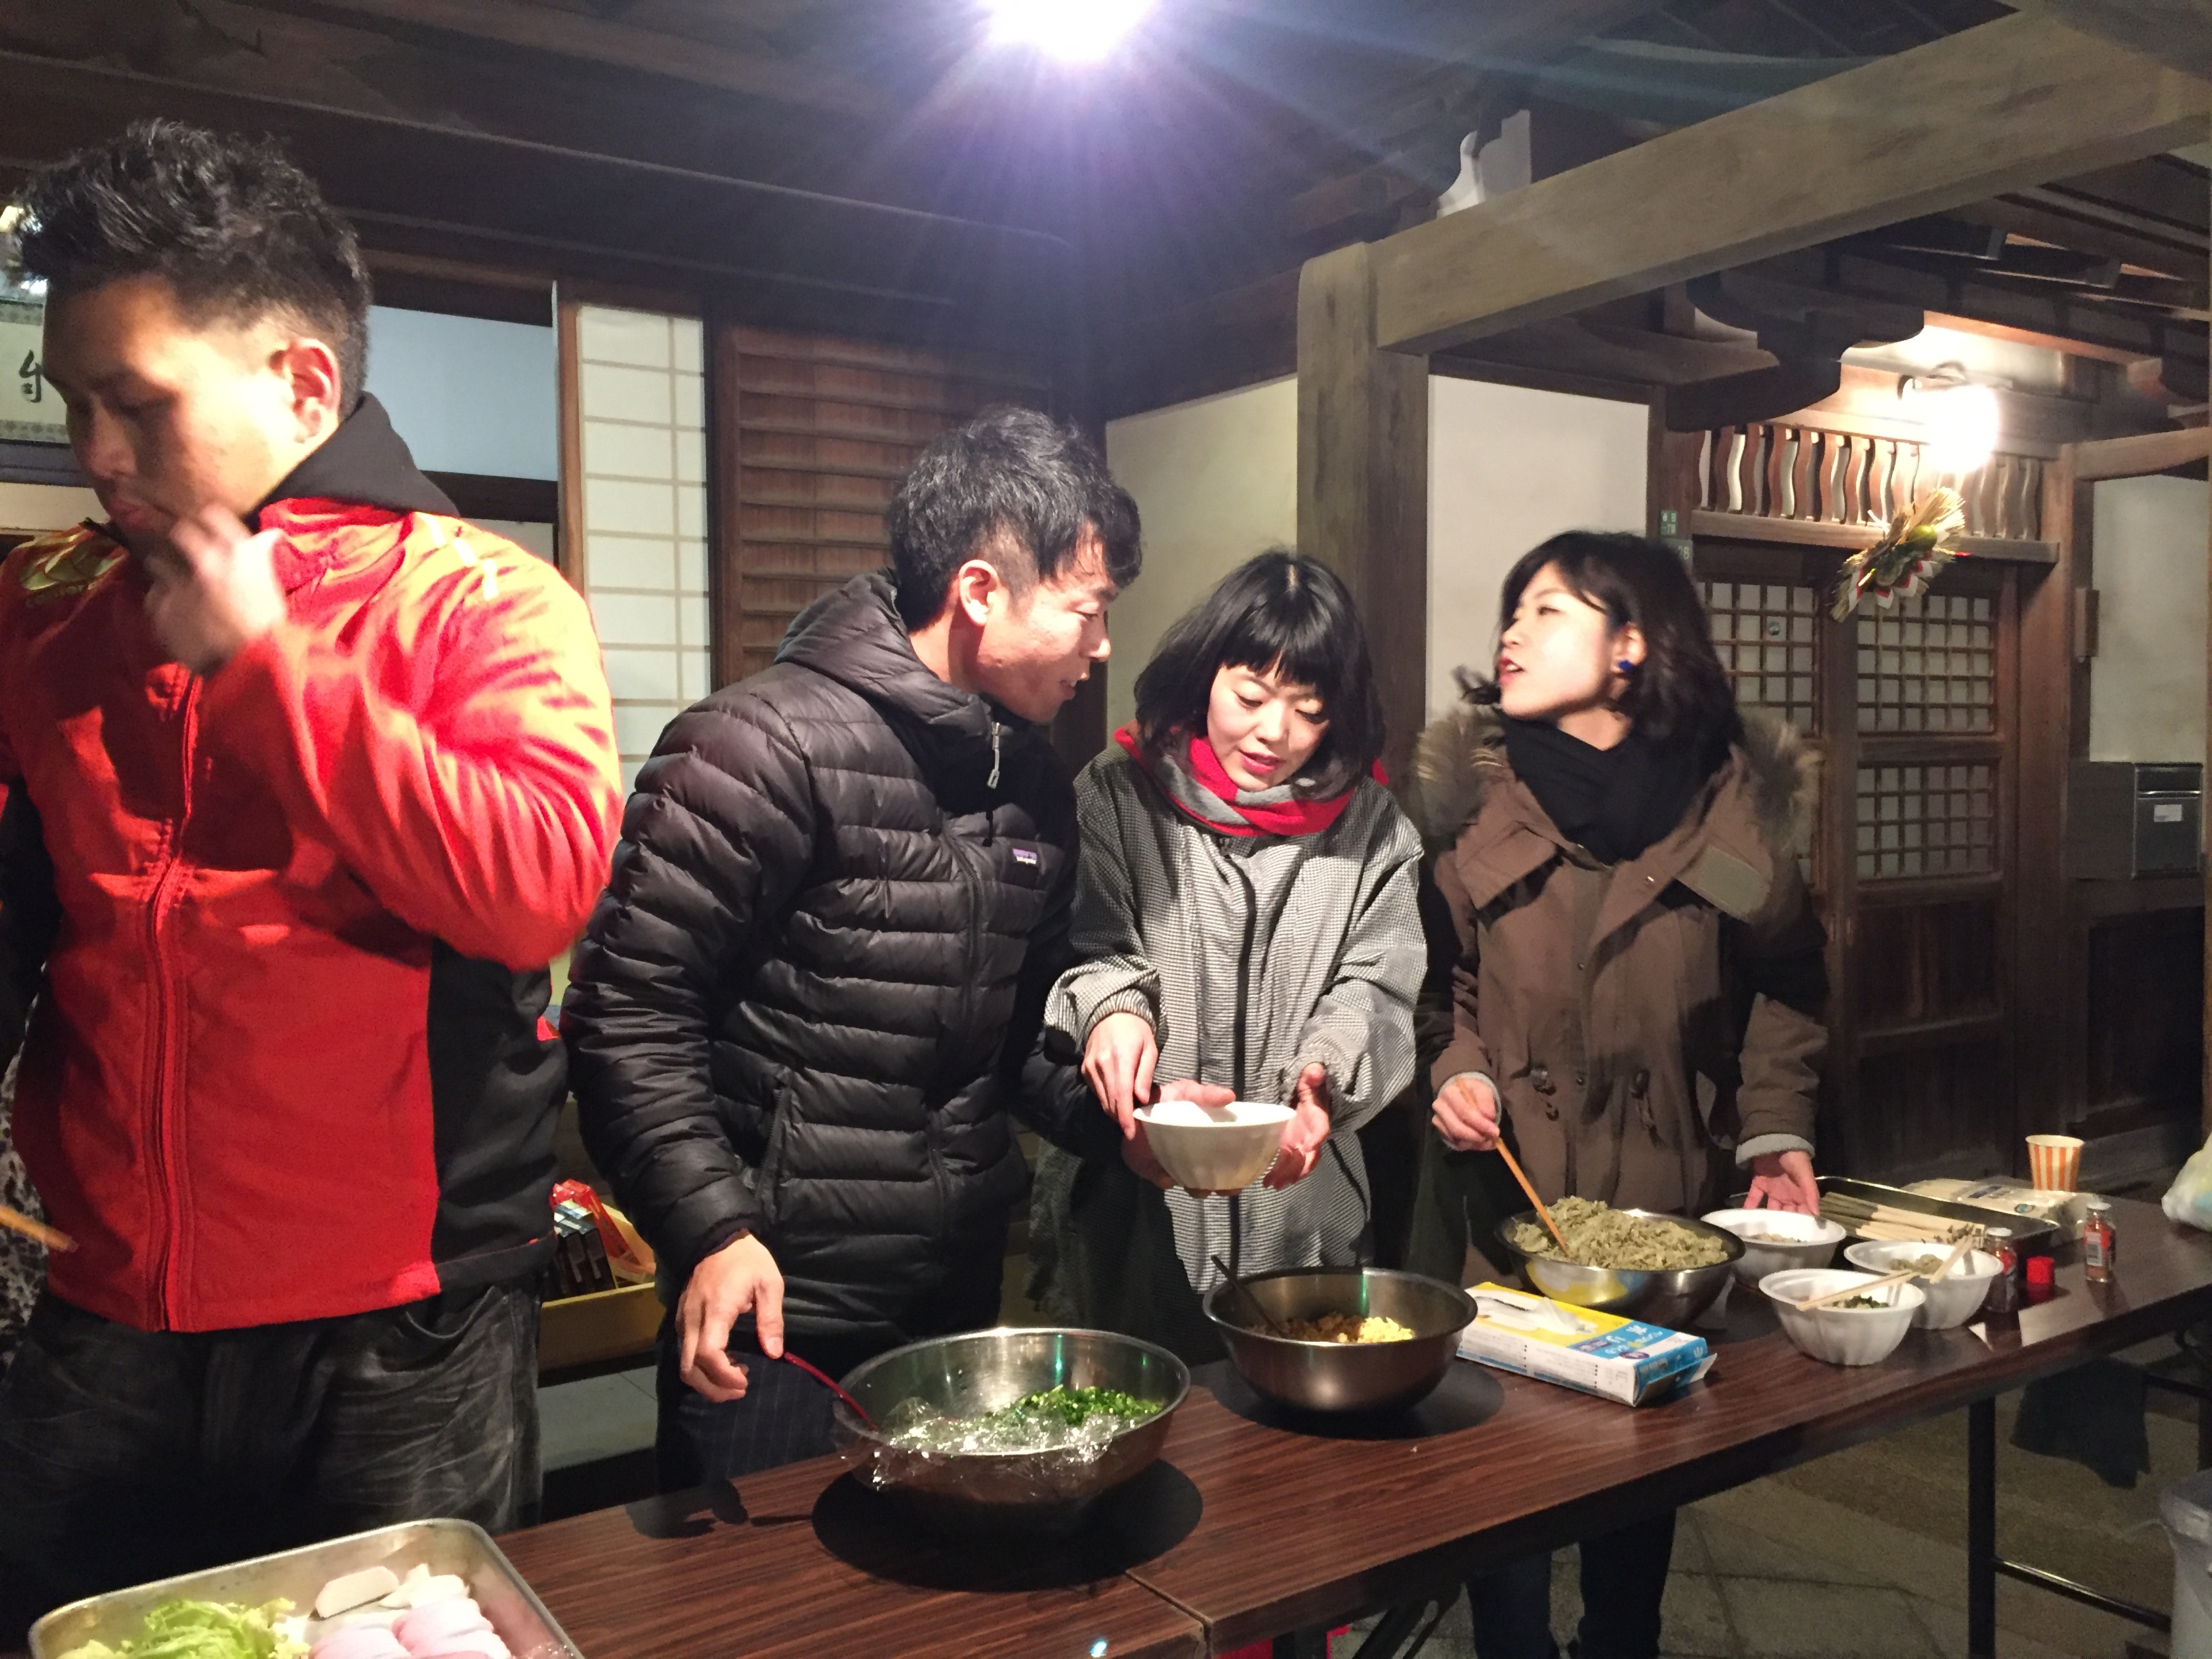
306 781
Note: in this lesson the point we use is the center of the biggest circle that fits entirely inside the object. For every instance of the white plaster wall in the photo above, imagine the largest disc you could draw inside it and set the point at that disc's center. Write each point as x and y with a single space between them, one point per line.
2146 680
46 506
1217 481
1508 467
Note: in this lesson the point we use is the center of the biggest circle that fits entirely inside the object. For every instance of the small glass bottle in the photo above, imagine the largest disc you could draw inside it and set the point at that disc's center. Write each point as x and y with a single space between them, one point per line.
2099 1246
2005 1290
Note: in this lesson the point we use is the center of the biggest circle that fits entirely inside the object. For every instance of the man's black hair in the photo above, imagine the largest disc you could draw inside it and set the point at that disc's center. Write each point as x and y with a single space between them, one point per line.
1014 487
1282 613
235 229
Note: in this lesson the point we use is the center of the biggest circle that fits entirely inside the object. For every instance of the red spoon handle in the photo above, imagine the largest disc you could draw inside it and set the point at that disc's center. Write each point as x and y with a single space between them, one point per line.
858 1410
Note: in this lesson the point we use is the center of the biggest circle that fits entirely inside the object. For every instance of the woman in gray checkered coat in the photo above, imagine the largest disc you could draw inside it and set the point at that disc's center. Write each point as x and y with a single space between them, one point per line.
1244 928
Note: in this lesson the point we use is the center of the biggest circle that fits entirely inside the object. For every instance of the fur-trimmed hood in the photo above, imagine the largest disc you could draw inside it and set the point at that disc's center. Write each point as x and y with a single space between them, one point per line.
1461 758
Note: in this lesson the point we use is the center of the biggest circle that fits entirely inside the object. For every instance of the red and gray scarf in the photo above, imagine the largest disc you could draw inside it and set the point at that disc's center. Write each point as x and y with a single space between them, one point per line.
1203 791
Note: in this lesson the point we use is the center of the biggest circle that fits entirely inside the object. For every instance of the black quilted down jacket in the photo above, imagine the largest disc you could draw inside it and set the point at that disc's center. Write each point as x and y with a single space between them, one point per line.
805 1000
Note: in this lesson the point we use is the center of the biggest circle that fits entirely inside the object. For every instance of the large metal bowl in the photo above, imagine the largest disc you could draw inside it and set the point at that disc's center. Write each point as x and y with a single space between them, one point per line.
1670 1298
1341 1377
982 1371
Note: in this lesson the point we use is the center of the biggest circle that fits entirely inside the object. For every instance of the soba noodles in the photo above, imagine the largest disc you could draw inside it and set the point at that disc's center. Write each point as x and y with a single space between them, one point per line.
1599 1235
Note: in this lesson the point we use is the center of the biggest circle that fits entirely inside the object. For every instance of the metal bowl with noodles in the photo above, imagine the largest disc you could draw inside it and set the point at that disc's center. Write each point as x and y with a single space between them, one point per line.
1045 1492
1658 1296
1320 1375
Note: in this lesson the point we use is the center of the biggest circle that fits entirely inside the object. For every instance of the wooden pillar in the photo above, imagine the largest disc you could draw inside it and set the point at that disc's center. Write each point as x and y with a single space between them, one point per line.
568 524
1363 479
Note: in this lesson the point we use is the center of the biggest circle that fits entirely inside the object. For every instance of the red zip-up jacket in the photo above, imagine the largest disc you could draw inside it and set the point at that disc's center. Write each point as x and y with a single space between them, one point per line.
287 1059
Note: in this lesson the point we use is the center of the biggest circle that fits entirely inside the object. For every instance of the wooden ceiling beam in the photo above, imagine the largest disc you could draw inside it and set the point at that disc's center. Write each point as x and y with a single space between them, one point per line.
1995 108
2176 33
597 39
2033 215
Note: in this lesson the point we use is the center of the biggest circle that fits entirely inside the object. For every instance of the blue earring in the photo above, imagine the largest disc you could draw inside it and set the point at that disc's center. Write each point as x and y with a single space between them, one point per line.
1625 666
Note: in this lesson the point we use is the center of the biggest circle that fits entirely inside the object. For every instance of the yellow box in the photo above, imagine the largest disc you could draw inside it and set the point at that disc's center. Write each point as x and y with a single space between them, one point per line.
588 1330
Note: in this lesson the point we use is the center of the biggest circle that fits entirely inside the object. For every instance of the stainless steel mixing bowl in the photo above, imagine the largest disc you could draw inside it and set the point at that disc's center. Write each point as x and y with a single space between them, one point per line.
982 1371
1341 1377
1658 1297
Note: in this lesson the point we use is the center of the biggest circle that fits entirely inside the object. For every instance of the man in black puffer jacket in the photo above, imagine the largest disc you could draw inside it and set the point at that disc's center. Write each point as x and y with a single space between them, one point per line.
802 1011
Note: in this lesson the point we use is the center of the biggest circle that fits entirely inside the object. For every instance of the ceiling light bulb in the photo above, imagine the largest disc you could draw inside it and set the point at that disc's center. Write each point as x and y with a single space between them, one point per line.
1073 30
1961 424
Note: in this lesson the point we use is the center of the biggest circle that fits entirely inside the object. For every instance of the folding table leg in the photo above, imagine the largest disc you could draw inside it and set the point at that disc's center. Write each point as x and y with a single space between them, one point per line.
1982 1529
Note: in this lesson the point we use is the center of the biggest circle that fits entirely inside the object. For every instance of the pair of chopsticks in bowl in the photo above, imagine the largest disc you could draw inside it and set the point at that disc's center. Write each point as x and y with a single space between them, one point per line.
1865 1286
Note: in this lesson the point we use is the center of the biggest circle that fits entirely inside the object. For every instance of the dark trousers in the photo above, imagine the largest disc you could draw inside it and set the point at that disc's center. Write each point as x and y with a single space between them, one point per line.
784 1416
127 1455
1624 1576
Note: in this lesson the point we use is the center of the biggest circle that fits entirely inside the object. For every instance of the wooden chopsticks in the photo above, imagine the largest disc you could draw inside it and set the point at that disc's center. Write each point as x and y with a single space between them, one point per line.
52 1238
1890 1225
1514 1164
1863 1288
1899 1277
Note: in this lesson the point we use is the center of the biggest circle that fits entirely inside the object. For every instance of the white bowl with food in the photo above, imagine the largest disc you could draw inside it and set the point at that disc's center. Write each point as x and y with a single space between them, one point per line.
1214 1149
1777 1240
1840 1335
1952 1300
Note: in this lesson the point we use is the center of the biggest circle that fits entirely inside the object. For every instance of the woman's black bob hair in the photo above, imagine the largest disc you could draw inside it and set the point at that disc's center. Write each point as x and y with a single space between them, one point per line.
1287 615
1680 691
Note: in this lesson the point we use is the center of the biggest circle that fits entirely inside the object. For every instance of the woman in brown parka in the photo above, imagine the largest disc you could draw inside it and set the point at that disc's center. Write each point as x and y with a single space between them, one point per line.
1632 974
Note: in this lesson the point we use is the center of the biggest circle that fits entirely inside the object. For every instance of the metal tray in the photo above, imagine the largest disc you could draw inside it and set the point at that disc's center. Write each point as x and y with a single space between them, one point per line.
459 1547
2031 1235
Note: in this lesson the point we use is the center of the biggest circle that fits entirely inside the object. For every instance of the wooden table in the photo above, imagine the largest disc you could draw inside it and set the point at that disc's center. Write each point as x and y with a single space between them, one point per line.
1250 1528
798 1563
1406 1518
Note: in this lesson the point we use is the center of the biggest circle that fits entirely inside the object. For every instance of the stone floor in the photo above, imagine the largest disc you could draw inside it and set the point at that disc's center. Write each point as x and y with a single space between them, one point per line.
1741 1591
1862 1555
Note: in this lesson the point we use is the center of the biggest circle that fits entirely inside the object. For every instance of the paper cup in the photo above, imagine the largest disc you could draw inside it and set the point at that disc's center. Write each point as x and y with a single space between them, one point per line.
2054 1162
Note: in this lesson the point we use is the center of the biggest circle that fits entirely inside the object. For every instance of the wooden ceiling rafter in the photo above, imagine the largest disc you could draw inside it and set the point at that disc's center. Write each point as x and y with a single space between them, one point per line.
2053 102
2175 32
1995 108
597 39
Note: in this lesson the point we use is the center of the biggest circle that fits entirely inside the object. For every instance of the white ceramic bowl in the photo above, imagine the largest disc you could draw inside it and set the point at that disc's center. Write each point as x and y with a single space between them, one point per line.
1954 1301
1812 1240
1214 1149
1842 1336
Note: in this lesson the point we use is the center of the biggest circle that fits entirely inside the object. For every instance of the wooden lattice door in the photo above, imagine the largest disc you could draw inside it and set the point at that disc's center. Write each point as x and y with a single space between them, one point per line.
1913 711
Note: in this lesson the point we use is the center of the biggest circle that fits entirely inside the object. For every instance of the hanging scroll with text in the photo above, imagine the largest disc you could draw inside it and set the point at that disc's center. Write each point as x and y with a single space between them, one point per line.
29 409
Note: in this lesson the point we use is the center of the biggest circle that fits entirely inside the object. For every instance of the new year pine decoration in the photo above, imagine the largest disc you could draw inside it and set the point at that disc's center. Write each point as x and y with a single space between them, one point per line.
1921 540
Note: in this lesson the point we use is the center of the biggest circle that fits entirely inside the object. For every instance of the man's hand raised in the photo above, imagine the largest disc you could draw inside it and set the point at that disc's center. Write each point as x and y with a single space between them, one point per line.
215 589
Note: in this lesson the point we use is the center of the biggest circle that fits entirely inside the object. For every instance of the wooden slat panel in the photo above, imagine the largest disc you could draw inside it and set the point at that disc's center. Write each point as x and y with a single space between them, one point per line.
816 434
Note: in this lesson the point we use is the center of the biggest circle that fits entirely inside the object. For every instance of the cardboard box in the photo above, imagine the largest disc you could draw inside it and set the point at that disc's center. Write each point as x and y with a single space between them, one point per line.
1601 1353
590 1330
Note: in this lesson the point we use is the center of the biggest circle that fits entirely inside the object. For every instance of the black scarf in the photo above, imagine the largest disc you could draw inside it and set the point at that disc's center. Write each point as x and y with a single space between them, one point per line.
1616 802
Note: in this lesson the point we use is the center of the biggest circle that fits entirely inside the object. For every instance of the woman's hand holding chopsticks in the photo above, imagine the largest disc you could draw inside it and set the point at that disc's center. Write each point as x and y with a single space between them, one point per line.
1466 1113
